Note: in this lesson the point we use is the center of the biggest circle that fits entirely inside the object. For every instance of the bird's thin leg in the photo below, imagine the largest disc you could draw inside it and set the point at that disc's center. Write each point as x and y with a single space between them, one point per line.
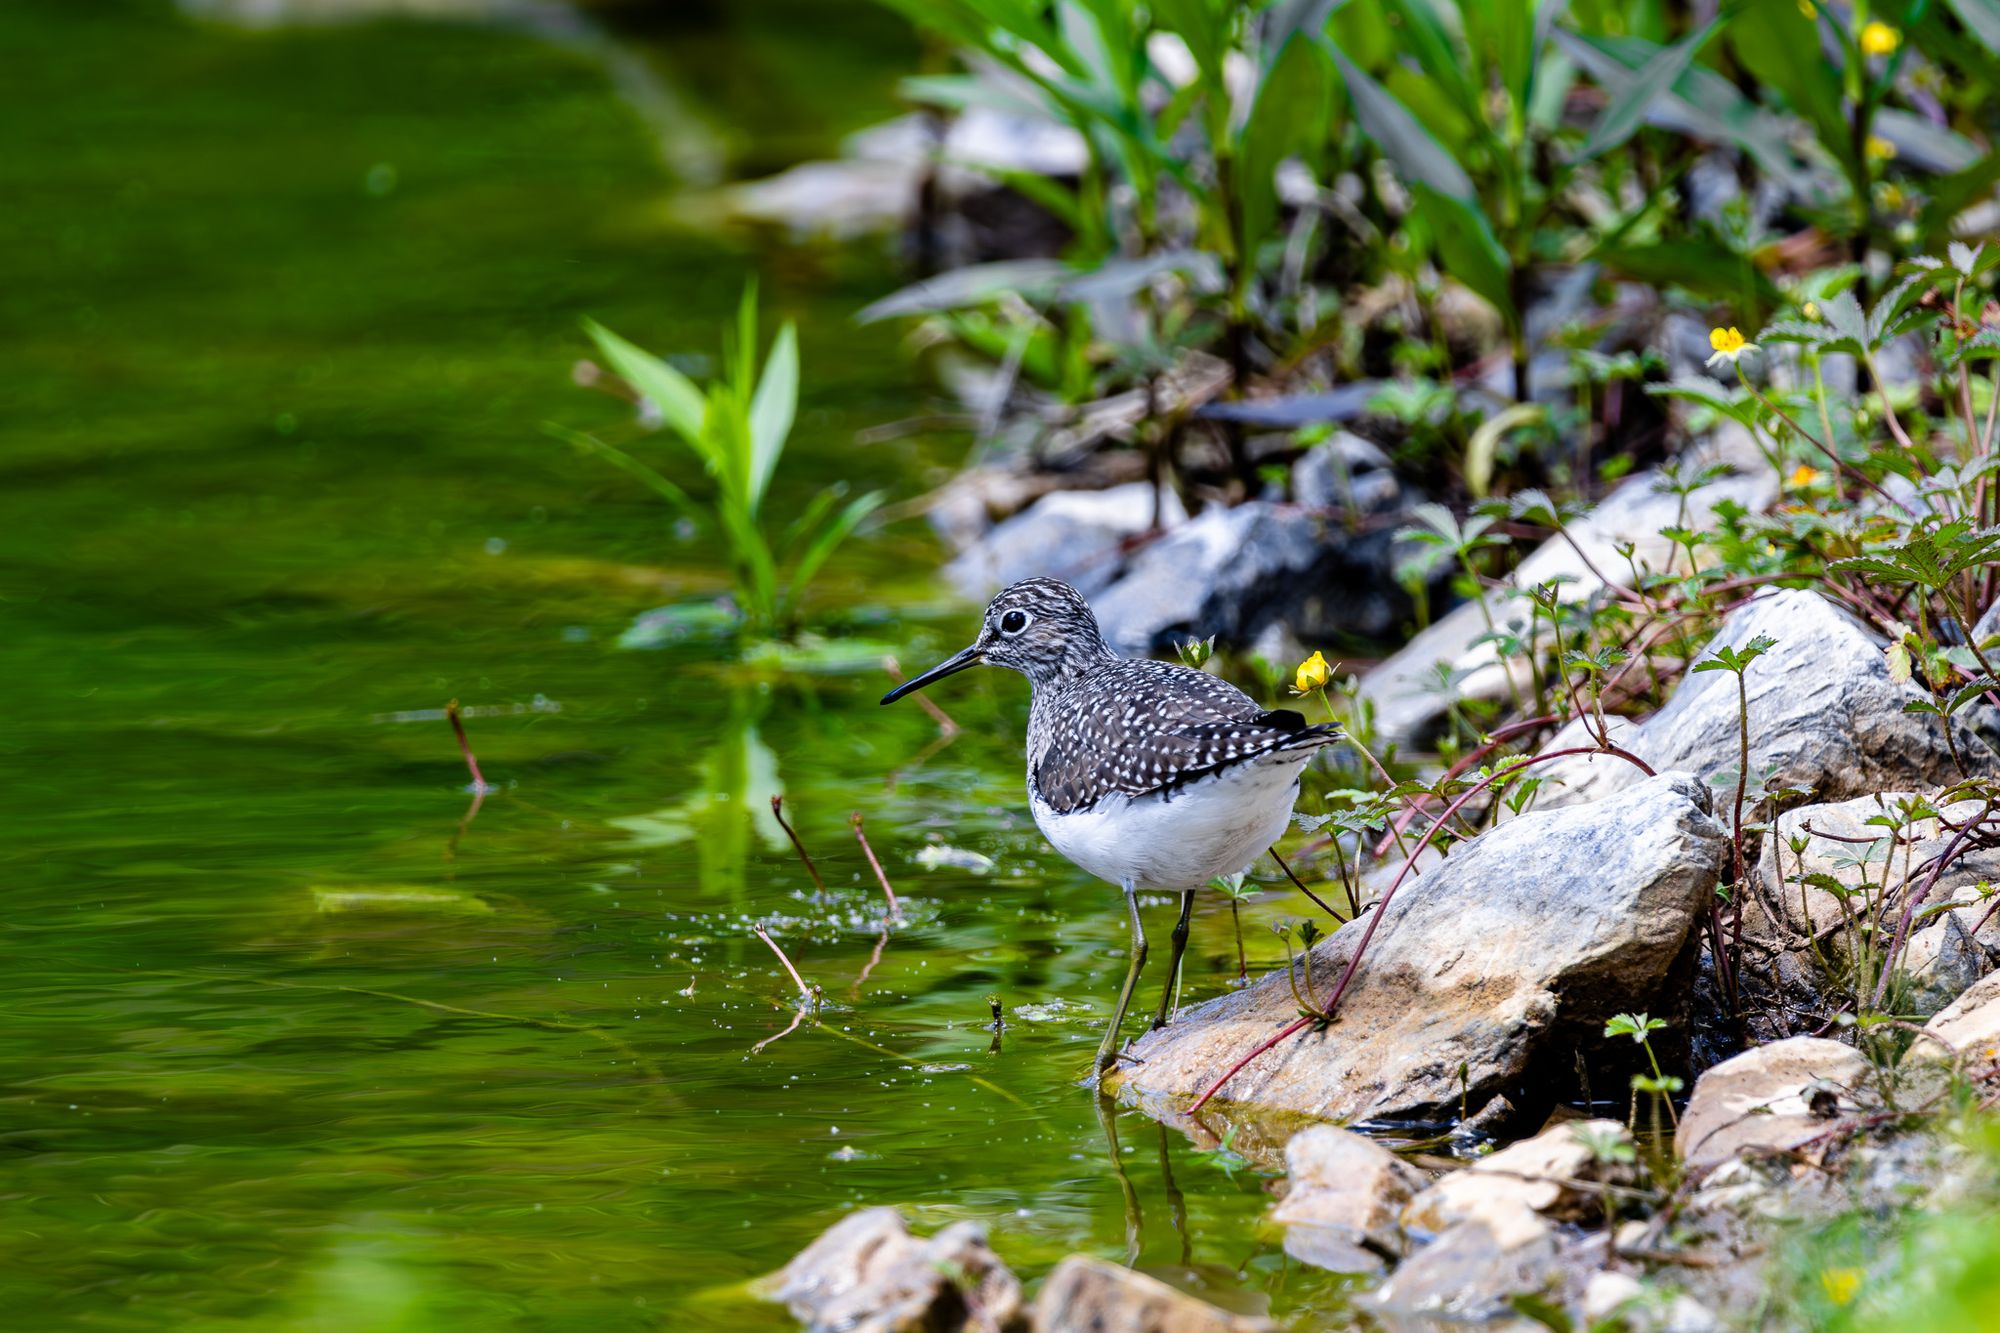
1107 1051
1174 960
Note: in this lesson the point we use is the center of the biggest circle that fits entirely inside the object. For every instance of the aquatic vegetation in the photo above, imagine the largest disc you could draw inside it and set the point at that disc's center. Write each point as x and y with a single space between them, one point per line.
737 431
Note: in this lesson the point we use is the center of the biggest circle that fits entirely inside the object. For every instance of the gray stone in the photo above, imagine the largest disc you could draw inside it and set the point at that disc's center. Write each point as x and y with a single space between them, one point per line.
1346 473
1966 1031
1231 572
1345 1193
1406 691
1471 1272
1621 1301
1772 1099
1086 1295
1824 713
1074 536
873 185
867 1274
1506 957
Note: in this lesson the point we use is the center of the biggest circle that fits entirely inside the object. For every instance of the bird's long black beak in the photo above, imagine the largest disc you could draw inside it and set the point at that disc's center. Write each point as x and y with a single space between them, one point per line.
951 666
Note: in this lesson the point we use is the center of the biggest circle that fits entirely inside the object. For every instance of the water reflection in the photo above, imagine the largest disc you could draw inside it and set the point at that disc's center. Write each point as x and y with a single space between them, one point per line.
729 807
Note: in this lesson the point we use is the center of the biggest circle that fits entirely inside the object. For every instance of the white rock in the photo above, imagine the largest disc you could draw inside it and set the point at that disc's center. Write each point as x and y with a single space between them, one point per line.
1404 689
1763 1101
1552 1174
1823 710
1969 1027
1086 1295
1069 535
1345 1193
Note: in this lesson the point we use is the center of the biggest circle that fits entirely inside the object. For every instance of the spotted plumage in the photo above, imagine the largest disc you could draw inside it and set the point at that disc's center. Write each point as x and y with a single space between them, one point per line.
1146 774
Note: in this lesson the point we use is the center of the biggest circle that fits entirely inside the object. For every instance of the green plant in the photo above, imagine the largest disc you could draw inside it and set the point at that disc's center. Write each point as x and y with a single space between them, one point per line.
1236 889
1659 1088
737 430
1467 98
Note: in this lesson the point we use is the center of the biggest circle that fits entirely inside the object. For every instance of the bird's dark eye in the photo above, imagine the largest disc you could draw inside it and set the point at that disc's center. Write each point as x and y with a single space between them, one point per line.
1014 622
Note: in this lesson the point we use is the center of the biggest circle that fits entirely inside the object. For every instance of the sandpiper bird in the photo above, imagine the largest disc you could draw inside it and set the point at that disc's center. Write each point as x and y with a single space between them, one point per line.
1146 774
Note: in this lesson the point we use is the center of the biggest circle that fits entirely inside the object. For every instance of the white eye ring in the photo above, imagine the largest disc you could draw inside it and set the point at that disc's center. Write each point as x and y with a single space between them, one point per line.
1014 622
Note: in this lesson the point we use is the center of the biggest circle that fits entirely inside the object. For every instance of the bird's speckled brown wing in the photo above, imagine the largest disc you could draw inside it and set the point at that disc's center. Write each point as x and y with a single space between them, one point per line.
1137 727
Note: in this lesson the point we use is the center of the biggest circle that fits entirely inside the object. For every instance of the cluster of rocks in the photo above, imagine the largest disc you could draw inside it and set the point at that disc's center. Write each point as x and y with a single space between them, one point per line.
868 1274
1315 561
1569 1221
1484 992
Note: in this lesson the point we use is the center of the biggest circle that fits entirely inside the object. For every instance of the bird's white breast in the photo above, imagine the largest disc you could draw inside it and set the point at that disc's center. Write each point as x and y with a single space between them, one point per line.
1180 839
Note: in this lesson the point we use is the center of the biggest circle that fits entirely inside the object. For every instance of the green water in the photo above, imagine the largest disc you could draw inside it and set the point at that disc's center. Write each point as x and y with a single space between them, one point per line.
289 1036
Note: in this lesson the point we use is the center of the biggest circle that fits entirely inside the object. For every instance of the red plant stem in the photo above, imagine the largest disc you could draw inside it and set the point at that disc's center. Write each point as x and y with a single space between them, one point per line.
1300 884
464 746
1382 905
1493 741
895 908
777 809
1912 902
764 935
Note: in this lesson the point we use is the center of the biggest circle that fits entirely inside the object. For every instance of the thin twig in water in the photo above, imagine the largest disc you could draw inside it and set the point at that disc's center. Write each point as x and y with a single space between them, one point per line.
895 908
925 702
465 748
778 811
798 1017
765 935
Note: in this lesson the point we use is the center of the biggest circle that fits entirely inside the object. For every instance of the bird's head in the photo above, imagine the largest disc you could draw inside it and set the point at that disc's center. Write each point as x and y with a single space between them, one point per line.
1041 628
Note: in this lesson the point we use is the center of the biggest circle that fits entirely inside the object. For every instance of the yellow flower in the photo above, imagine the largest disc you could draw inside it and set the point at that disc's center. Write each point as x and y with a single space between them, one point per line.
1804 476
1879 39
1890 196
1879 149
1313 674
1811 309
1840 1283
1729 344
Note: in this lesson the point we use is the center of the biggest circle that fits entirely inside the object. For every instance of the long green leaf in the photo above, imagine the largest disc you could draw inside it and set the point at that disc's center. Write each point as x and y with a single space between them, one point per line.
1654 80
1288 117
1781 47
1424 37
1982 19
1924 145
772 412
618 458
680 402
829 538
1419 156
1701 103
1468 250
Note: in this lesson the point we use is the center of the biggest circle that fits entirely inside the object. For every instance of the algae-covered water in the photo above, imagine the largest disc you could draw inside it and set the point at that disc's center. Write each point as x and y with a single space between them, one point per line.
291 1036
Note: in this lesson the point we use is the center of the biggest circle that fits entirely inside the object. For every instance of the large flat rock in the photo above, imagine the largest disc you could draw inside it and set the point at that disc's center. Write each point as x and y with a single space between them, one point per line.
1515 950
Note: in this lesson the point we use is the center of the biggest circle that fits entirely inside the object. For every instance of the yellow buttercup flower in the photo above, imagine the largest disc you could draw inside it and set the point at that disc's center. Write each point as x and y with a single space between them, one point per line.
1803 475
1879 149
1313 674
1879 39
1729 344
1840 1283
